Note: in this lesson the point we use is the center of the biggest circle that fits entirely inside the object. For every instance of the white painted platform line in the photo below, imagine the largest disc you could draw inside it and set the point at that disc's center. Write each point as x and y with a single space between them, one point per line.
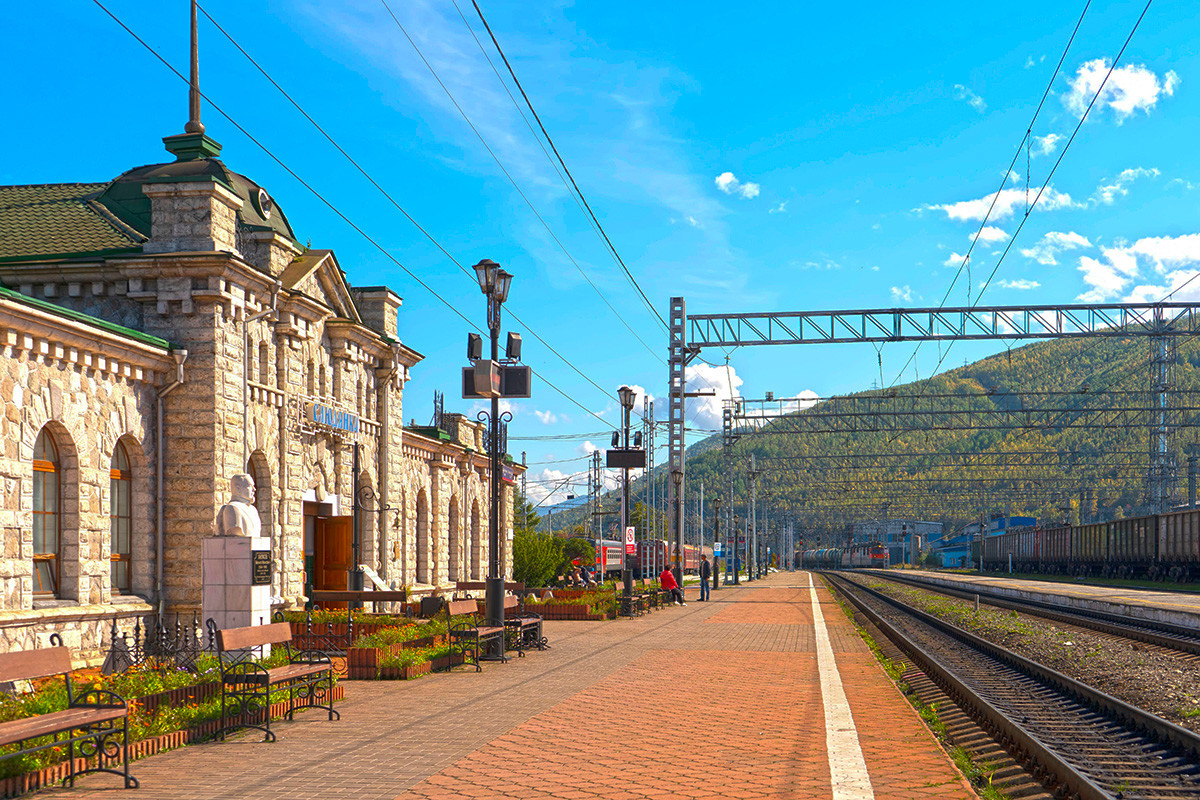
847 768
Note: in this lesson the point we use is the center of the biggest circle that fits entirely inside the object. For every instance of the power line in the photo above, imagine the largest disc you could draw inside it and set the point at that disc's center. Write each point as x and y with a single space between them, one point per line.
388 196
1007 174
550 140
512 180
336 210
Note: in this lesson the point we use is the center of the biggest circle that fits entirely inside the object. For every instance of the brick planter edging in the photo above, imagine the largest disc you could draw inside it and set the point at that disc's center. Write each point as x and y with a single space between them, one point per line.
362 663
17 785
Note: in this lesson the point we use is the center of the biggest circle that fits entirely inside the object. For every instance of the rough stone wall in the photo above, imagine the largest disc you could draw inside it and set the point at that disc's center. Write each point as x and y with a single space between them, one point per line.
88 401
191 217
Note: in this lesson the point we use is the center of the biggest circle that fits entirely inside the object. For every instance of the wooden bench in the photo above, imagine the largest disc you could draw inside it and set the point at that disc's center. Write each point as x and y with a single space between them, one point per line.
95 723
462 587
246 685
525 625
468 632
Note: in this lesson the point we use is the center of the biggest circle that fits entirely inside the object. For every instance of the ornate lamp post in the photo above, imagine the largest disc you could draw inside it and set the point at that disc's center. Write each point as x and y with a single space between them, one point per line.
494 282
364 498
716 538
627 396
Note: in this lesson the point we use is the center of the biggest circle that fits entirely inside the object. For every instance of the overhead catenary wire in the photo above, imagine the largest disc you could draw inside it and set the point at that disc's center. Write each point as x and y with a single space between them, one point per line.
329 204
432 239
1004 182
553 147
512 180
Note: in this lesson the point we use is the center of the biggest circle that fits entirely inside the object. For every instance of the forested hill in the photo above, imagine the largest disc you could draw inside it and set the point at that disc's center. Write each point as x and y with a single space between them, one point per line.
952 475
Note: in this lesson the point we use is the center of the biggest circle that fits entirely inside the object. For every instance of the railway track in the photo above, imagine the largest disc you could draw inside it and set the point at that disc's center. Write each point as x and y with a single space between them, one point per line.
1083 743
1167 636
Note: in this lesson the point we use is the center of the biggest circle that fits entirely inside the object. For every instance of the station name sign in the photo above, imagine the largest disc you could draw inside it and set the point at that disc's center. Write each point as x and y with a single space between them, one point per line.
331 418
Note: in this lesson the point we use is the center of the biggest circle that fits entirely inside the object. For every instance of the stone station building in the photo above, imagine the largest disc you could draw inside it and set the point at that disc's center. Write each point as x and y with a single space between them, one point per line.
166 330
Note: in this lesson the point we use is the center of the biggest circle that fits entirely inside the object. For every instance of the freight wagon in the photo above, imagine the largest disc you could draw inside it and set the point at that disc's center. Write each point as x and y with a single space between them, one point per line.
1159 546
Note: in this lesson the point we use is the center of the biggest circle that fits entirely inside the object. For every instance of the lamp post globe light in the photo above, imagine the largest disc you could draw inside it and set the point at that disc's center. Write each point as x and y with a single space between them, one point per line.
494 282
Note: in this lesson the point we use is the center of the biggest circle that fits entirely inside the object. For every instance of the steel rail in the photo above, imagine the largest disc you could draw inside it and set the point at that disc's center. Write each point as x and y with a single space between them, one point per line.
1162 634
1139 723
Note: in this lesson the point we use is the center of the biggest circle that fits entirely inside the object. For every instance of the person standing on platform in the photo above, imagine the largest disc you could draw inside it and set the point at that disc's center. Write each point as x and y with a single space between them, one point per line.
667 581
705 575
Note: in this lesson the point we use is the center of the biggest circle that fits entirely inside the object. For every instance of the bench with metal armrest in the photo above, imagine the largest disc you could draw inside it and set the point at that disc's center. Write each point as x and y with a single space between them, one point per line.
95 723
464 630
246 685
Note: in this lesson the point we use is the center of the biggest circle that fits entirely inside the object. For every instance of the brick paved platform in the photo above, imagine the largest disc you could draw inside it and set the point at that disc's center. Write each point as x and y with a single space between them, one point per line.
718 699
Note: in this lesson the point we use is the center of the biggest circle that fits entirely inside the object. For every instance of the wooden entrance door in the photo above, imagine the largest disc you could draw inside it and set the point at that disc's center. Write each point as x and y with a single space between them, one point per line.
331 544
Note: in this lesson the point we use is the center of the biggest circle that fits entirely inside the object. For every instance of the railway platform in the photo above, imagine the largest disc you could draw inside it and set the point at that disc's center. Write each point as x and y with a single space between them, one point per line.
766 691
1175 608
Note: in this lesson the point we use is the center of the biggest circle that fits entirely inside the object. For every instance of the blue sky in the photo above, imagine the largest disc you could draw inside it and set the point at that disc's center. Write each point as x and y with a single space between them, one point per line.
786 156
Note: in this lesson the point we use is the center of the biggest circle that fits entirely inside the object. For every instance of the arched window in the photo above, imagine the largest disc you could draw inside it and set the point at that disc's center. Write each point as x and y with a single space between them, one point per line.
47 521
264 372
120 481
310 378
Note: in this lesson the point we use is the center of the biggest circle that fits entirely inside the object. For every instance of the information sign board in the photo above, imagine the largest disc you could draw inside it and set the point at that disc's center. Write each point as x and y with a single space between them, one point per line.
630 547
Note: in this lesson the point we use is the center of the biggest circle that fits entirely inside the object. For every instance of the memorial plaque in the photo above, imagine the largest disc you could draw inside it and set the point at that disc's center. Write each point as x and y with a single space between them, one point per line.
260 568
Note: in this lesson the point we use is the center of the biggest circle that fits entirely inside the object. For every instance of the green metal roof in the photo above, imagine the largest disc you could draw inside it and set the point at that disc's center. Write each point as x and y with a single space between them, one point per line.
76 219
123 196
56 219
87 319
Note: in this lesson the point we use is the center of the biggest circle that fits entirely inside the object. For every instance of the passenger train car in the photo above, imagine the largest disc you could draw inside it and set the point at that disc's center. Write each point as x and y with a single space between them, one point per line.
856 556
1161 546
649 560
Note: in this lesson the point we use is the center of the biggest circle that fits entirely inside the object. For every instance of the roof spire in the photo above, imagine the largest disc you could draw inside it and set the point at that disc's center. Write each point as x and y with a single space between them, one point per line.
193 144
194 125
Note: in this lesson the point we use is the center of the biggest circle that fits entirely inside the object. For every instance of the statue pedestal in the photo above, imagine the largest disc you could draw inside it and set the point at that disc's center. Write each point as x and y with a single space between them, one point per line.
236 581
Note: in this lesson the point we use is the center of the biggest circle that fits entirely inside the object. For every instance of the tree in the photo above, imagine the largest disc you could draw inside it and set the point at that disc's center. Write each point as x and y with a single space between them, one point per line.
536 557
580 550
525 517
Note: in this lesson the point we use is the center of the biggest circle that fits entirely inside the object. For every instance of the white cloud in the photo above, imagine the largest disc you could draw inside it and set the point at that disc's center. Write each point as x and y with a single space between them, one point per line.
705 412
729 184
1007 201
902 294
1045 145
546 417
1030 63
1020 283
586 449
1107 193
779 209
954 260
975 101
1162 262
989 234
1053 243
695 223
1128 89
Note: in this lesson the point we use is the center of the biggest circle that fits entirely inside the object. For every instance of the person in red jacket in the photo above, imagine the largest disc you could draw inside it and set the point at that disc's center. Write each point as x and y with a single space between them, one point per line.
667 581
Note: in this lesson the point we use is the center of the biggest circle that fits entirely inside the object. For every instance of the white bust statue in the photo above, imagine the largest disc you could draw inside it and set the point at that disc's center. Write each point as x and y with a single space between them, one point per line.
239 517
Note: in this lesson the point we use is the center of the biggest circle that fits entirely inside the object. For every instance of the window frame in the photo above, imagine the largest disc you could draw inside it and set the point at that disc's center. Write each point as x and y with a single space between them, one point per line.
46 445
120 560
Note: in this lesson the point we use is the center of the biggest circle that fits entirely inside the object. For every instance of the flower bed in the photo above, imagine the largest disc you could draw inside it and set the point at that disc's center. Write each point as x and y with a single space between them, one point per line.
24 783
413 663
166 709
